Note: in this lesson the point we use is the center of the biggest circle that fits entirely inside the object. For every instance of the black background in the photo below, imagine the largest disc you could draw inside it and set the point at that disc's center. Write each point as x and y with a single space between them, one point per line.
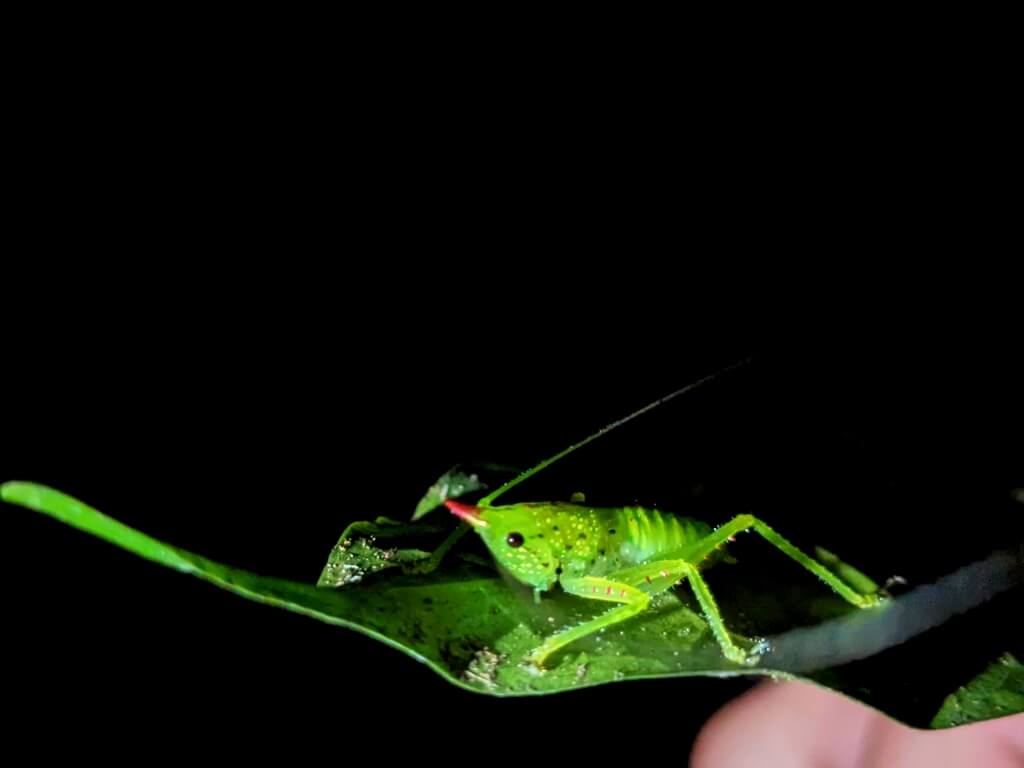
251 314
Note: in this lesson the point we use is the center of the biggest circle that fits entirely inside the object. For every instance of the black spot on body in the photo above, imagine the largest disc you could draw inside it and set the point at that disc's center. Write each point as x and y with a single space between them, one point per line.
611 531
583 535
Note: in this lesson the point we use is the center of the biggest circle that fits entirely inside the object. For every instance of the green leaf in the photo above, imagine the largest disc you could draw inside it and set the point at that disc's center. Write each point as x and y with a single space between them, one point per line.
474 627
451 485
355 557
996 692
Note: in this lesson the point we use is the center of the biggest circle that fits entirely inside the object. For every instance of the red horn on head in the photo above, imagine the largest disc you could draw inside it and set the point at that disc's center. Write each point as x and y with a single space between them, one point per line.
467 512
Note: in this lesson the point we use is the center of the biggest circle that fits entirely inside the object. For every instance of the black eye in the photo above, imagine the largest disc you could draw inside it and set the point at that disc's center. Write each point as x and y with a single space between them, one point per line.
514 539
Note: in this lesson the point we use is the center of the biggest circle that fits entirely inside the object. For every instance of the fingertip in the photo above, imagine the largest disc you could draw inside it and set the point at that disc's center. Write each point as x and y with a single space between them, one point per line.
799 724
782 724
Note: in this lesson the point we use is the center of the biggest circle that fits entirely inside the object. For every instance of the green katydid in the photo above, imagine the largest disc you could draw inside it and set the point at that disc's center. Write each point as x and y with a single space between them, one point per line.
623 555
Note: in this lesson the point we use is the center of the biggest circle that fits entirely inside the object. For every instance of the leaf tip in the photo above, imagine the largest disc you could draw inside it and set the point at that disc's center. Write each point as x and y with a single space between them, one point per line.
22 493
9 490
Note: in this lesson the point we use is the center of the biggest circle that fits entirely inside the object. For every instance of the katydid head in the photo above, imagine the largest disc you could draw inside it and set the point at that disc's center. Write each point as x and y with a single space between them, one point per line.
512 534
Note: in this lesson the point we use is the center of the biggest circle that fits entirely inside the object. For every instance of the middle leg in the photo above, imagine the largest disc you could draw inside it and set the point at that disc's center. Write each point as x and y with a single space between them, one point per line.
632 587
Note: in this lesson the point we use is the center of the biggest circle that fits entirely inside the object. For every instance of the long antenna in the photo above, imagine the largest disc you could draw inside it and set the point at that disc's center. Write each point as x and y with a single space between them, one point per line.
486 500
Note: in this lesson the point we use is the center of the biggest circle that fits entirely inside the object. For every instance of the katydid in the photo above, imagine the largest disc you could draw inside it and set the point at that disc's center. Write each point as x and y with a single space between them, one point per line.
622 555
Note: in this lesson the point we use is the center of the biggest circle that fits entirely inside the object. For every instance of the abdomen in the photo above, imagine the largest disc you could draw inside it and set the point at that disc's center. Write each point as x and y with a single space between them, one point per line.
641 535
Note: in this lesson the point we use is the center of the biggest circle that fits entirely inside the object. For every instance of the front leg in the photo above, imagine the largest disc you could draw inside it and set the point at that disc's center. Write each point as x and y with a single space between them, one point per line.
431 563
359 553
